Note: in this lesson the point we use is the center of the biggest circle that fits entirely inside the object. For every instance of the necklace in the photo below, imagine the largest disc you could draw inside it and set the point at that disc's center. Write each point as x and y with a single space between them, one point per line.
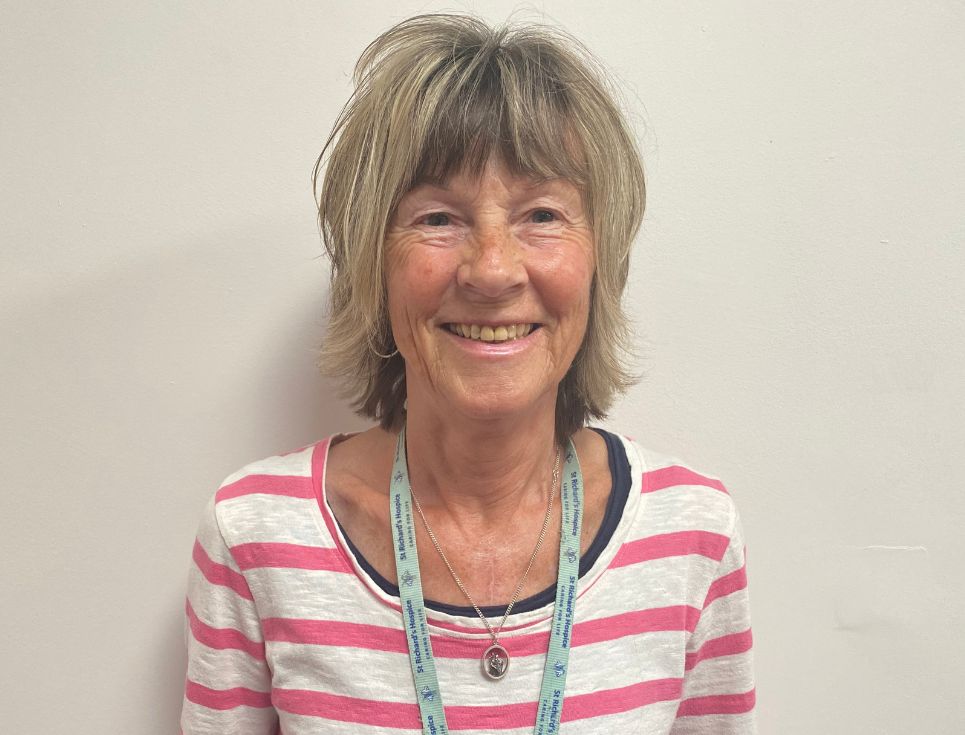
495 660
412 607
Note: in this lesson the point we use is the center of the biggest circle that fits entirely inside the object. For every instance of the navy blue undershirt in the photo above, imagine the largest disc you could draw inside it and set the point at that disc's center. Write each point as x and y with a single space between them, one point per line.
616 502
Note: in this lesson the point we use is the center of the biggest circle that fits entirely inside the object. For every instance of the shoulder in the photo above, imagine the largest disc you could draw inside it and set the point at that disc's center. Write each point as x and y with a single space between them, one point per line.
677 495
266 493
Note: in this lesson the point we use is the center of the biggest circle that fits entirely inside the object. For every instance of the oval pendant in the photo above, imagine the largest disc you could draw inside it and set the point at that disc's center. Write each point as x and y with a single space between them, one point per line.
495 662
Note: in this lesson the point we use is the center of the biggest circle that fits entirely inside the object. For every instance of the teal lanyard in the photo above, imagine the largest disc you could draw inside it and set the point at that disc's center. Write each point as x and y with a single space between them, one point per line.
414 614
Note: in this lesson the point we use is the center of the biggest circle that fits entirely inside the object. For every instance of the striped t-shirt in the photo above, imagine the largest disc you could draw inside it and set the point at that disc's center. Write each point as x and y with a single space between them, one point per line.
288 631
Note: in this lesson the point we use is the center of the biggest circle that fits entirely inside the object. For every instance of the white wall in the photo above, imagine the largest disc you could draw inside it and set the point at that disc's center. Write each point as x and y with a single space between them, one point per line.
797 289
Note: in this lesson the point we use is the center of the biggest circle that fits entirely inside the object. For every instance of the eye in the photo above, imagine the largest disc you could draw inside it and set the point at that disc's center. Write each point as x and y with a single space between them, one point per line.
436 219
542 216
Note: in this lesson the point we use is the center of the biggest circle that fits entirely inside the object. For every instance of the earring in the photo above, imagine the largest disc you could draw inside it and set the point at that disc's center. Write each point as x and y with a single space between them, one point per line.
379 354
385 357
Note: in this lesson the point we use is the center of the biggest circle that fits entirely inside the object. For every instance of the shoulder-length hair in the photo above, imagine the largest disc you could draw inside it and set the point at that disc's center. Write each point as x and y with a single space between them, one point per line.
439 94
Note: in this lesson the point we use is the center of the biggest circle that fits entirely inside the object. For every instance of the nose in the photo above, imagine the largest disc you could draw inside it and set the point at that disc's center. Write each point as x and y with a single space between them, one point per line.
493 266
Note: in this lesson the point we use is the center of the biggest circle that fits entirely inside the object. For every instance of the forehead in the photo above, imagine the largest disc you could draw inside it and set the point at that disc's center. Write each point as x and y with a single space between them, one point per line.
495 178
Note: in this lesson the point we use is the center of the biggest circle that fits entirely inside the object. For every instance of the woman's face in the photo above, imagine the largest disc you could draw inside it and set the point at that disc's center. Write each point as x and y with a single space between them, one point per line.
489 290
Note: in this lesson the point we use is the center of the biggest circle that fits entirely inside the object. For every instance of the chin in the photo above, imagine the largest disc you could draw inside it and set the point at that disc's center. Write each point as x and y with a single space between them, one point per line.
495 402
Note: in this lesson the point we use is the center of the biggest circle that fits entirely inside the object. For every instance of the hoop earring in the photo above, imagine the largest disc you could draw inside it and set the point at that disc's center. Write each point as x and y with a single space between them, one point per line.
379 354
385 357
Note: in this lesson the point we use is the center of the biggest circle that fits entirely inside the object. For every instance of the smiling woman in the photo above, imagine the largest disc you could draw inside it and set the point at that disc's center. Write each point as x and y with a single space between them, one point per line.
470 262
438 96
480 559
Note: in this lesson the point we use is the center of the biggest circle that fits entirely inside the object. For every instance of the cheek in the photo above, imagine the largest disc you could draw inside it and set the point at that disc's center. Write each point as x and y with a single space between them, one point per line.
566 286
416 278
429 270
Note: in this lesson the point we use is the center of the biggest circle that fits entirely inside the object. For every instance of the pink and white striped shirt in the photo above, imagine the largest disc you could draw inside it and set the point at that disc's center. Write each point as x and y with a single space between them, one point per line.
287 632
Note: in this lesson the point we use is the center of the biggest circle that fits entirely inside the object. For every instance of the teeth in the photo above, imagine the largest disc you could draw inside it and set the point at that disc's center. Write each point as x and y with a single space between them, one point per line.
486 333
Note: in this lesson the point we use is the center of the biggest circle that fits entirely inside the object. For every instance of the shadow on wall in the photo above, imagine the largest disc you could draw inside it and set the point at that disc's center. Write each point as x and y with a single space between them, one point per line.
194 345
145 383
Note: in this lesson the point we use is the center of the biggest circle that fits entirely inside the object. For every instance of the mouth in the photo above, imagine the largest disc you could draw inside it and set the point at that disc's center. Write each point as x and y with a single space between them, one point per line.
490 332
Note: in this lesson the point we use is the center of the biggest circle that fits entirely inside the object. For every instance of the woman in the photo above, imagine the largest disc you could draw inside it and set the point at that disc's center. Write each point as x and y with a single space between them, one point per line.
479 560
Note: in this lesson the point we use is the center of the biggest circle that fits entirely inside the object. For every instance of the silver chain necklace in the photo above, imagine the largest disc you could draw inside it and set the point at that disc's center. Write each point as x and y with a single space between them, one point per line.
495 660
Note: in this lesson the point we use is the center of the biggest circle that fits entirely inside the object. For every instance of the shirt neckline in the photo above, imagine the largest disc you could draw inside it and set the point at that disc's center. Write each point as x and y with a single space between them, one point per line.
624 470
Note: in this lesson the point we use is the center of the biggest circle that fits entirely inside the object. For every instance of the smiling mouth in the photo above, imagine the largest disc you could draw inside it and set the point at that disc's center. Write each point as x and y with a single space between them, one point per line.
488 333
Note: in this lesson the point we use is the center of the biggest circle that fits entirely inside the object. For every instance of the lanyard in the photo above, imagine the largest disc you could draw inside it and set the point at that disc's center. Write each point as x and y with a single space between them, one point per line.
414 614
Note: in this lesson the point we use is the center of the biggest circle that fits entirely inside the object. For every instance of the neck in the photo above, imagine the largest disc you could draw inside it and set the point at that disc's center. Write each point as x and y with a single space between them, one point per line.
480 472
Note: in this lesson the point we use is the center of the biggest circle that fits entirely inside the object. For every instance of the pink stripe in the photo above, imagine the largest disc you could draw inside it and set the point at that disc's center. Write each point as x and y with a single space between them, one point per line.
222 638
287 485
337 633
727 645
490 718
676 475
219 574
652 620
718 704
398 715
392 640
405 716
288 556
728 584
680 543
624 699
225 698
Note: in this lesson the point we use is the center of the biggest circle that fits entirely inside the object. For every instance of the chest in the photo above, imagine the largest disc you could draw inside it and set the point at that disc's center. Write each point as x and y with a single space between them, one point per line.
494 565
626 665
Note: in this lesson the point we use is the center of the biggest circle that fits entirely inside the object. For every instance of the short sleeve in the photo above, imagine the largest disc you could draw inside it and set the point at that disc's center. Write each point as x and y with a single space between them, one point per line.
718 690
228 682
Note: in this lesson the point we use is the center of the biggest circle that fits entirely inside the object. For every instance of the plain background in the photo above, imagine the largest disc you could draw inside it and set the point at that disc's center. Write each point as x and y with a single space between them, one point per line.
796 289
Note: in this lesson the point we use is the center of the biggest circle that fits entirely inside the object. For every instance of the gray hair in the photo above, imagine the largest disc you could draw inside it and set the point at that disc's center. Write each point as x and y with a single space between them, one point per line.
440 94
